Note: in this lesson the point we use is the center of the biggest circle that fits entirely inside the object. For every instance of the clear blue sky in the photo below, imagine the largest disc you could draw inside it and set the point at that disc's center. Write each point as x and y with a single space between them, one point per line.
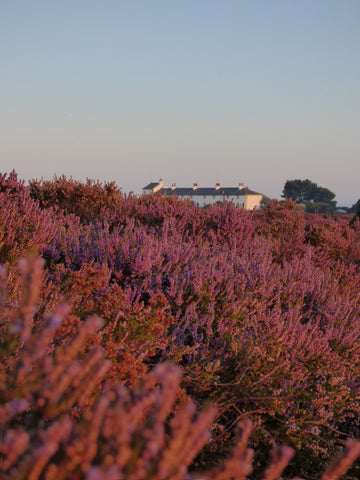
258 91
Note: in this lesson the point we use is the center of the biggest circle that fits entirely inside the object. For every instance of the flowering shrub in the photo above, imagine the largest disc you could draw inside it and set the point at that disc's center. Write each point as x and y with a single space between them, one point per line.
24 226
87 200
338 239
260 309
63 421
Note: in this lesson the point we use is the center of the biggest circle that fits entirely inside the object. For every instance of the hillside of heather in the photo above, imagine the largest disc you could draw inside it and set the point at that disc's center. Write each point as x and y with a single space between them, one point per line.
210 318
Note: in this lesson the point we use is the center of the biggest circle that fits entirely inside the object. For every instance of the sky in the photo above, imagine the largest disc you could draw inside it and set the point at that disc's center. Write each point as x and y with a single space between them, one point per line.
205 91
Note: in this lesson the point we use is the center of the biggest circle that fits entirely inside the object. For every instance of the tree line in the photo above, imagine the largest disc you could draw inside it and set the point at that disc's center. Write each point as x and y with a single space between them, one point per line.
314 198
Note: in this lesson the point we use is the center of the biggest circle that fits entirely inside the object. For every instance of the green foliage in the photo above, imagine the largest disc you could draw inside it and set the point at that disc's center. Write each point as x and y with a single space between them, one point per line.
316 199
265 201
355 209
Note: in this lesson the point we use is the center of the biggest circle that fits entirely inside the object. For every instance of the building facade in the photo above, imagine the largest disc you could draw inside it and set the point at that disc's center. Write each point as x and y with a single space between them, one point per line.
203 196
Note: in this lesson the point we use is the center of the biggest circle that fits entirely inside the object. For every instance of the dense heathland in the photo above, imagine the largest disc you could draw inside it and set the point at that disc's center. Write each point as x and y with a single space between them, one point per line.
261 310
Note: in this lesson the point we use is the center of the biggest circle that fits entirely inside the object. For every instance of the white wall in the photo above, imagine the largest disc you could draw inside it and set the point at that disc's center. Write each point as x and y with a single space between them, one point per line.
249 202
253 201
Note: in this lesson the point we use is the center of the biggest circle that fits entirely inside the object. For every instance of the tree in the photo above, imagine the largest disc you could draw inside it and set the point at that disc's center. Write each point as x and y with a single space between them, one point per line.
265 201
355 208
298 190
315 198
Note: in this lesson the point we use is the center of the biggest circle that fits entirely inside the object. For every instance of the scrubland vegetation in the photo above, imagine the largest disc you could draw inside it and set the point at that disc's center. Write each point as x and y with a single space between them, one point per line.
145 338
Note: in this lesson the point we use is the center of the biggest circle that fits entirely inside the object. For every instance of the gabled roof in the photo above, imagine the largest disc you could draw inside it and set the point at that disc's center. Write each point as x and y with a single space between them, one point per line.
209 191
200 191
151 186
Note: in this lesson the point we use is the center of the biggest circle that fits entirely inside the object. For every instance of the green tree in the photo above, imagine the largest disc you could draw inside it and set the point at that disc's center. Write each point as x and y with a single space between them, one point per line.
321 194
315 198
265 201
300 191
355 208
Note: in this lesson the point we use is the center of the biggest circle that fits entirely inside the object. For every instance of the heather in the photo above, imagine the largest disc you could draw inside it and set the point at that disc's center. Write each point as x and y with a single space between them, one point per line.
258 310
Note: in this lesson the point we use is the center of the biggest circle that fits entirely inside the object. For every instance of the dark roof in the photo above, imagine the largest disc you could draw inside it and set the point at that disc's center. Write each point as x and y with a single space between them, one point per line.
151 186
207 191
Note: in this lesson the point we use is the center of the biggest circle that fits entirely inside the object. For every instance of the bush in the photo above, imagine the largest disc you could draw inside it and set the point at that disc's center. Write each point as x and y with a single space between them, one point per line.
63 421
260 309
86 200
24 226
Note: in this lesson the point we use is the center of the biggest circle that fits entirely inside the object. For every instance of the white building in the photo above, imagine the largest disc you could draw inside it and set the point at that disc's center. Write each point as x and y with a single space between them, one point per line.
241 196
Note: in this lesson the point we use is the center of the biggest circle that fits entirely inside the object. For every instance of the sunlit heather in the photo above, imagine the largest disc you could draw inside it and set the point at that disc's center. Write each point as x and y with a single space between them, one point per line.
151 338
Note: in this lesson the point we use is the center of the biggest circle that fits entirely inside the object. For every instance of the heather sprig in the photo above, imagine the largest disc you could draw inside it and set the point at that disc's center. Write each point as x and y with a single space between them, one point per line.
24 227
261 309
62 421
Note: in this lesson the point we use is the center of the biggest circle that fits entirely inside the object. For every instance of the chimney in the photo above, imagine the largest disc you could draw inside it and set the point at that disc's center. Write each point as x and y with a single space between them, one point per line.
241 186
159 186
173 186
217 186
195 186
